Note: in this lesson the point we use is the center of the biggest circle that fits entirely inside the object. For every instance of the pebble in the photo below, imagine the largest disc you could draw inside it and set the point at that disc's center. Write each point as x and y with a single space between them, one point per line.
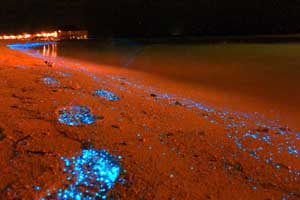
2 134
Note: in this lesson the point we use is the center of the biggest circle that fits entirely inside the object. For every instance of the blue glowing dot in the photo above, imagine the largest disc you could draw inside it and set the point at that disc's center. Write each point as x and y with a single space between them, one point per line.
292 150
76 115
254 136
50 81
37 188
260 148
94 173
122 181
278 166
107 95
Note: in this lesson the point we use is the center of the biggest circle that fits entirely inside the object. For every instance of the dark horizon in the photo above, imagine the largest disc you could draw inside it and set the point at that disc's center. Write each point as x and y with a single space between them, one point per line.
149 18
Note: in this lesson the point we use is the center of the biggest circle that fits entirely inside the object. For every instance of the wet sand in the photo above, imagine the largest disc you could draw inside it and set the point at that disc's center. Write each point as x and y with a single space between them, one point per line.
174 143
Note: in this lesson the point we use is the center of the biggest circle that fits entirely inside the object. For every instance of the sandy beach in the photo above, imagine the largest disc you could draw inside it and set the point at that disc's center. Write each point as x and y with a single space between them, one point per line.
170 143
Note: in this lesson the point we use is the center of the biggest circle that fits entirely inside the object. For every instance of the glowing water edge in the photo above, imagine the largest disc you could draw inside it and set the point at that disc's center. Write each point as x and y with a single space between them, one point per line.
89 176
28 45
76 115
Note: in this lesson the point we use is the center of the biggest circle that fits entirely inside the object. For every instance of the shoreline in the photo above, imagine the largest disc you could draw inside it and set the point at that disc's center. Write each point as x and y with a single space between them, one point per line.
183 142
240 78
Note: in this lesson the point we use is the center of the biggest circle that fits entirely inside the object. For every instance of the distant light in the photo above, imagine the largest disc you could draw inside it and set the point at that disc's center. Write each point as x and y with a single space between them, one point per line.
47 35
26 36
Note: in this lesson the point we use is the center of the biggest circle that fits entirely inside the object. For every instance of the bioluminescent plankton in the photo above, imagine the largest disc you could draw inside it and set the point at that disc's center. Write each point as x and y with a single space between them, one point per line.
76 115
107 95
89 176
50 81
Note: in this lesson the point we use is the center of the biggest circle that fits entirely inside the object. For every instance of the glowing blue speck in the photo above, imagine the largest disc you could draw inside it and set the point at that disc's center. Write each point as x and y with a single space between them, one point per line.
50 81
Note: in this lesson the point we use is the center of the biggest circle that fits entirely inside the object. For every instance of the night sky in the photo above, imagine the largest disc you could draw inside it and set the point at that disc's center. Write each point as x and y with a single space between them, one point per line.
153 17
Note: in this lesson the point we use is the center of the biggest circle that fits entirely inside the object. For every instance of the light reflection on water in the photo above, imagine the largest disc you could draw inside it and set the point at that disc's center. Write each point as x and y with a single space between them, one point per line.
49 50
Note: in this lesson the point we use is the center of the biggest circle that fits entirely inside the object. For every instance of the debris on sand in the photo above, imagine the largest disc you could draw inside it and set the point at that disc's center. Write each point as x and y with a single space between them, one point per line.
89 176
107 95
49 64
50 81
76 115
2 134
115 126
177 103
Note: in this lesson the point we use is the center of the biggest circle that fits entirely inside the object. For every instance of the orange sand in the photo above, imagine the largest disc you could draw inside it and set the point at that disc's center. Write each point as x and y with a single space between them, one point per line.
189 164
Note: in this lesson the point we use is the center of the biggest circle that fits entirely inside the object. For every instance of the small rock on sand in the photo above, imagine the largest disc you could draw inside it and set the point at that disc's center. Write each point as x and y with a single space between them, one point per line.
49 64
2 134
